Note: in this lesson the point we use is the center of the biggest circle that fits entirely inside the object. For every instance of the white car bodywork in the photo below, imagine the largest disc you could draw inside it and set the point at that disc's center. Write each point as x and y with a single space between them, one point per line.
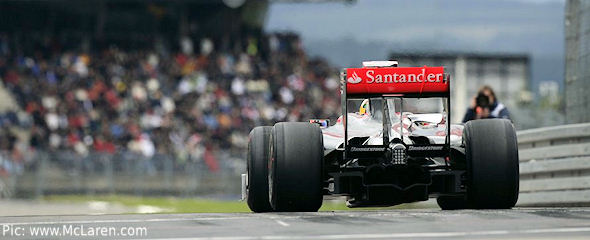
427 125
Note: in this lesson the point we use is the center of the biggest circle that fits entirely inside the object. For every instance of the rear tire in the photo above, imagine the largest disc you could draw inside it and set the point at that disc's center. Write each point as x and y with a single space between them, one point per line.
491 152
296 167
258 155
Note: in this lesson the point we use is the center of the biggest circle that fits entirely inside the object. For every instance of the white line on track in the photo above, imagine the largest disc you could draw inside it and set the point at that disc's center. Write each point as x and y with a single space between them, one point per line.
284 224
397 235
124 221
153 220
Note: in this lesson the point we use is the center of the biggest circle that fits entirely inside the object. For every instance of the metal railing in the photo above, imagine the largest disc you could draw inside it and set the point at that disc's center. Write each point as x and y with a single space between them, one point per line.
65 172
554 171
555 166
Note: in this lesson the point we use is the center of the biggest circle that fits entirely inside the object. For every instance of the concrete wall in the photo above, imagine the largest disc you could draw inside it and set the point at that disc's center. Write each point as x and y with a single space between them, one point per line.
577 68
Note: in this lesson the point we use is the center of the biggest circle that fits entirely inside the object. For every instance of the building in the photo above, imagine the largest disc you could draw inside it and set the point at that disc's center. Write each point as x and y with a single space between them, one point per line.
507 74
577 61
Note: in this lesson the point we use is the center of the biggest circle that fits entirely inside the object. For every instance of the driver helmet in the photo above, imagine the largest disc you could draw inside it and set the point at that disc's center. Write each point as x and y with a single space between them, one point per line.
364 109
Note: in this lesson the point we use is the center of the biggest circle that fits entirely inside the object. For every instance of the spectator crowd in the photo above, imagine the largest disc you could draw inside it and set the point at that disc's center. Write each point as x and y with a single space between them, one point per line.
190 101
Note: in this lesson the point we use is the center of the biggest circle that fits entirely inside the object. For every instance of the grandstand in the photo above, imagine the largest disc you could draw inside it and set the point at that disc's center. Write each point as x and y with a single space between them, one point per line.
182 79
96 24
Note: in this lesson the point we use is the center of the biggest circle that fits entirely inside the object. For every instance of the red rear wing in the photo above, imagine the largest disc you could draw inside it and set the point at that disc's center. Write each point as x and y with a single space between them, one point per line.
397 81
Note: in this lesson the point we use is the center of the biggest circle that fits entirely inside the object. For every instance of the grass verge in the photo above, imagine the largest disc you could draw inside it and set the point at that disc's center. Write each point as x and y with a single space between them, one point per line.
194 205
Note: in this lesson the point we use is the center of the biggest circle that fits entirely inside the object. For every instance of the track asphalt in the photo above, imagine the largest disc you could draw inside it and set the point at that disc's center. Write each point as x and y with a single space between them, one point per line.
518 223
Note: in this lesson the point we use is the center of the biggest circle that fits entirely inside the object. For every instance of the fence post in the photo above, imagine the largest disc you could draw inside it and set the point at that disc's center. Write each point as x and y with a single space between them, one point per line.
12 183
7 184
88 173
167 171
139 172
76 170
40 174
108 171
193 177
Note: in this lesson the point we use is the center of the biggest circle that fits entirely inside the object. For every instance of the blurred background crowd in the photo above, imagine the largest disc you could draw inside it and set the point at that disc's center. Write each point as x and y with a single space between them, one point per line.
190 103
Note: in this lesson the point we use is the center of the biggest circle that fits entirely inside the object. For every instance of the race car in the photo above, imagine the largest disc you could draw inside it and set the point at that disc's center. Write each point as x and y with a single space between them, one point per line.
393 144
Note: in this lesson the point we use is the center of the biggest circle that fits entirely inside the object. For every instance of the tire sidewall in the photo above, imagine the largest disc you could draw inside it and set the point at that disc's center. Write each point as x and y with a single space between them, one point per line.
257 160
296 167
492 174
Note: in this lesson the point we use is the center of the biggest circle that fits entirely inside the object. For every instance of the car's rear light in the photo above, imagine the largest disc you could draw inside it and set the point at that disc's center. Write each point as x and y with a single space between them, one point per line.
399 156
